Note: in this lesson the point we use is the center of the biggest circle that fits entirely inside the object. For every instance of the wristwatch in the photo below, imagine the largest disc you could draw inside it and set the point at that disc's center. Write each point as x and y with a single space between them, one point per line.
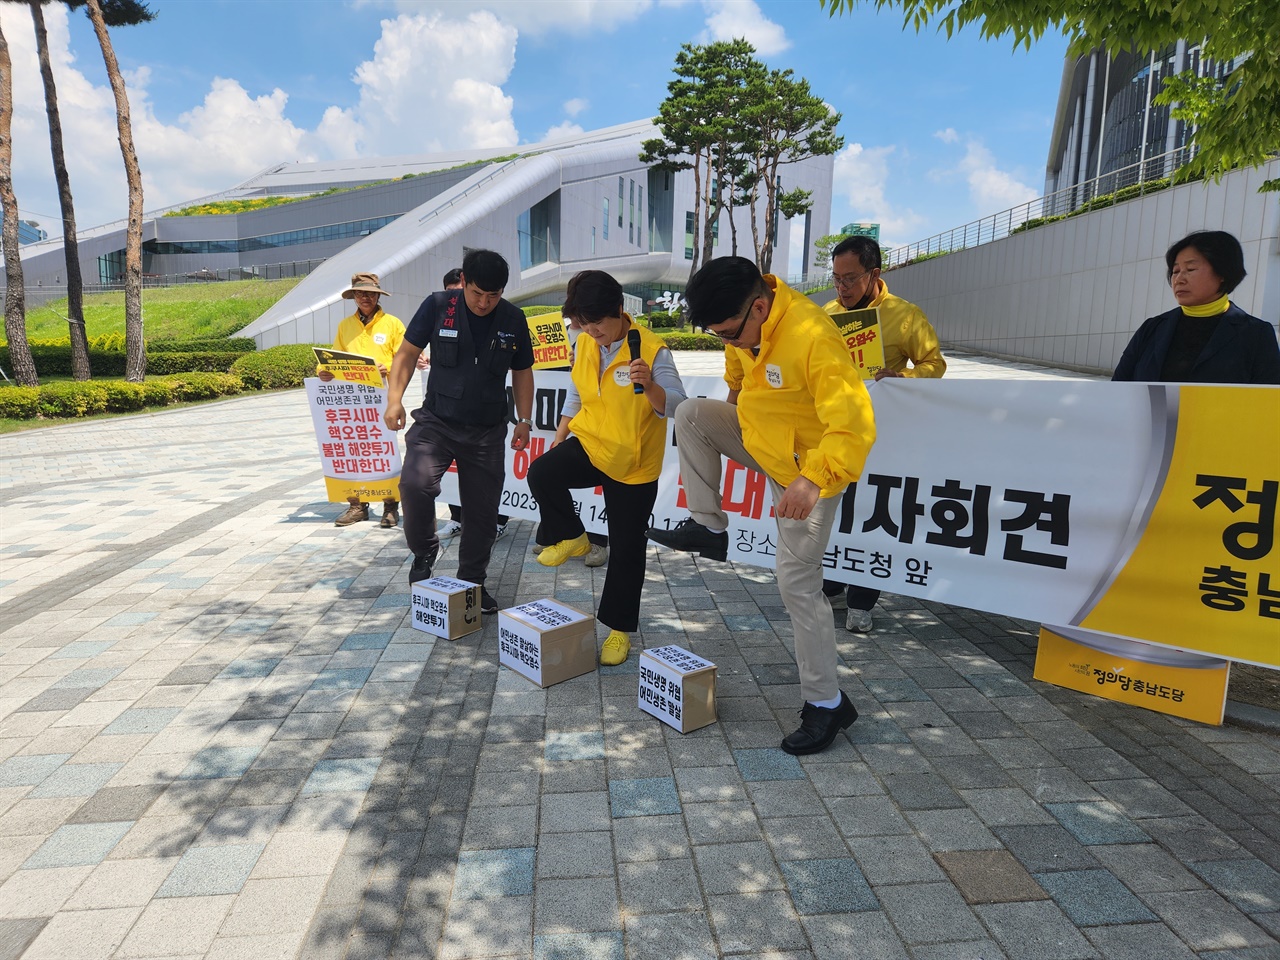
525 420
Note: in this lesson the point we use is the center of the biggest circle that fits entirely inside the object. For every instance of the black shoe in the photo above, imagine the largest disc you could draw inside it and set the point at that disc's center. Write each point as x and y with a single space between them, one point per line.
692 537
819 726
422 564
487 603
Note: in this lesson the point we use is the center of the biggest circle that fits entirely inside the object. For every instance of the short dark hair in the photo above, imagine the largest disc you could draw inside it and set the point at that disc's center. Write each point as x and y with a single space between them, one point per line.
452 278
486 270
592 295
865 249
1220 248
720 289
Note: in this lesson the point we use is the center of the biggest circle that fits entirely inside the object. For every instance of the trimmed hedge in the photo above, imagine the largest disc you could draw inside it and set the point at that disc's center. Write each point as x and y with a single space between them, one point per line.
537 311
72 399
691 341
204 386
19 403
276 367
206 345
56 361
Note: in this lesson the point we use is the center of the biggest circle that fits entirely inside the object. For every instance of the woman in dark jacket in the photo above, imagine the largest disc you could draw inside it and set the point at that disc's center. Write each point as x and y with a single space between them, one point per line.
1206 338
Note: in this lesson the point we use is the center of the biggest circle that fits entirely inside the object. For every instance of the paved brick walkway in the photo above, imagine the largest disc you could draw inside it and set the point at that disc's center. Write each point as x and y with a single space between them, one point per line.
219 738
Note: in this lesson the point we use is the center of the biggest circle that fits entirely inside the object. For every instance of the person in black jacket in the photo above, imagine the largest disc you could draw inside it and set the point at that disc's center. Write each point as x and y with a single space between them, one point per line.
1206 338
476 337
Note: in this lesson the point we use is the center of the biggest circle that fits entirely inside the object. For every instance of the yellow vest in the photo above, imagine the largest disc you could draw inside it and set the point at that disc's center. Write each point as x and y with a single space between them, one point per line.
380 338
621 432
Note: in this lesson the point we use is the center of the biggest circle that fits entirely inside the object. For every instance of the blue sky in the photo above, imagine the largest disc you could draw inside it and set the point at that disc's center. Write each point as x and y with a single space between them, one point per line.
938 132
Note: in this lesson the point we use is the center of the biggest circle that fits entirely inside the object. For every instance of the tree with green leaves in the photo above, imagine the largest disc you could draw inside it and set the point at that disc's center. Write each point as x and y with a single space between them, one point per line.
15 310
115 13
135 363
1236 125
822 248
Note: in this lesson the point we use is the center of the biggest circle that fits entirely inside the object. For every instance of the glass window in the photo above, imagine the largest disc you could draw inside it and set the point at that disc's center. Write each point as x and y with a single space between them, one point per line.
606 218
688 234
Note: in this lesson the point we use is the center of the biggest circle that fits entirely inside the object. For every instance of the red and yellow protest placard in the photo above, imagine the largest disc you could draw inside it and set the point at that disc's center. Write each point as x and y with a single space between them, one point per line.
550 341
347 367
861 332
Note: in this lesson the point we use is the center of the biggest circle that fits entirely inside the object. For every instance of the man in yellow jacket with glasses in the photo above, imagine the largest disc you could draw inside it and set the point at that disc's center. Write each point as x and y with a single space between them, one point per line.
799 413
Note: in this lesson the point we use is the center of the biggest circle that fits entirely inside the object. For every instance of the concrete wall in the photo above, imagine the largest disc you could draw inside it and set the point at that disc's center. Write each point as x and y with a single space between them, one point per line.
1073 292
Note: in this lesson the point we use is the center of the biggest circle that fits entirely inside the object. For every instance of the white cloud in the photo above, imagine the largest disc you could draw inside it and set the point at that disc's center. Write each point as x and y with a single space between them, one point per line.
862 176
733 19
562 131
231 134
990 188
576 106
948 135
537 17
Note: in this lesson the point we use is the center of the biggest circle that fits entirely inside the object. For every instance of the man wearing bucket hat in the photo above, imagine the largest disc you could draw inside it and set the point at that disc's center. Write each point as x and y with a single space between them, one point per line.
369 332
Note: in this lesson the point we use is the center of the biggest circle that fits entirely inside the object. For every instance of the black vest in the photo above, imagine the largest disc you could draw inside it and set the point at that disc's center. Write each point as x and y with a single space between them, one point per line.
468 381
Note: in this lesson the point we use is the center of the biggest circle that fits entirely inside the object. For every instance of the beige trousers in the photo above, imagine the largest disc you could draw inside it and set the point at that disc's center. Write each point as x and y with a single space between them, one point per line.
706 430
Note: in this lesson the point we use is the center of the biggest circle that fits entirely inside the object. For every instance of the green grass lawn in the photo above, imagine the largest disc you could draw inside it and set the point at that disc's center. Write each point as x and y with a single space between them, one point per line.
195 310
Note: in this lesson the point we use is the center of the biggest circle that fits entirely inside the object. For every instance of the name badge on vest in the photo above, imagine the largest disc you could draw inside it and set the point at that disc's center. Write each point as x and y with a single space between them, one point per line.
622 376
379 338
447 333
773 375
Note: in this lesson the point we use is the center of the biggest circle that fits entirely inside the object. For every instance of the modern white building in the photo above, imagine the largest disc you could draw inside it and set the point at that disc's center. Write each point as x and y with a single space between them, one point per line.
551 209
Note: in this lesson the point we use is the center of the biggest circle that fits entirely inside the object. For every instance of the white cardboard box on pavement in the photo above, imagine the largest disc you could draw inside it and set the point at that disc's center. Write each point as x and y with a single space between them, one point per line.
445 607
678 687
546 641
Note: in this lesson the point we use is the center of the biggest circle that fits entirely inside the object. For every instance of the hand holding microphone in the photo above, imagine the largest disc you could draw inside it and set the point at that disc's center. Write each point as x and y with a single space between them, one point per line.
633 344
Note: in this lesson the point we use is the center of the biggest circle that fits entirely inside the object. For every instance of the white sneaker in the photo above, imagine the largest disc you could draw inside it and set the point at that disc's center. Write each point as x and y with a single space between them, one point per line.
858 621
597 557
502 532
449 530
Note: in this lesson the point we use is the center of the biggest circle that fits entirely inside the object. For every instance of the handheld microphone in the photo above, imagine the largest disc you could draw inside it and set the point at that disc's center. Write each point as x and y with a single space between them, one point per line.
633 344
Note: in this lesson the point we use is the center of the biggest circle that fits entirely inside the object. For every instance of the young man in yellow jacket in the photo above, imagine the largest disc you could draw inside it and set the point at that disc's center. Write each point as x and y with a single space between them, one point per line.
907 335
799 413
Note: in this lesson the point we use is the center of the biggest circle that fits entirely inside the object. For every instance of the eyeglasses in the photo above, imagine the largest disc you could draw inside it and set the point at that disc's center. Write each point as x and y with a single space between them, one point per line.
846 282
365 295
728 337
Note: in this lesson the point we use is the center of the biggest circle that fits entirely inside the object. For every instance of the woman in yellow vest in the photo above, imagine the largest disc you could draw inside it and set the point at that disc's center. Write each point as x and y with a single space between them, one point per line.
612 434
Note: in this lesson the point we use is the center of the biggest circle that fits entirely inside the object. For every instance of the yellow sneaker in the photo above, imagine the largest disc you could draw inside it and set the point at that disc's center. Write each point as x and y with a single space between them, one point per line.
558 553
615 649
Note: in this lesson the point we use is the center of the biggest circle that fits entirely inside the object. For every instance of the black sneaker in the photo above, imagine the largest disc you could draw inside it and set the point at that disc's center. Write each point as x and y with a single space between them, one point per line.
819 726
487 603
692 537
422 564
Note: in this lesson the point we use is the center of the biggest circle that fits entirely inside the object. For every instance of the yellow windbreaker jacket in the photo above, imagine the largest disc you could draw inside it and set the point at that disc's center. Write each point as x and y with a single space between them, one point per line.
802 407
907 335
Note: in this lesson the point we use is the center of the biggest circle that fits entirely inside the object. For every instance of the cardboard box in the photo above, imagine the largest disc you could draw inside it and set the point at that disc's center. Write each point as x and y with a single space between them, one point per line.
678 687
546 641
445 607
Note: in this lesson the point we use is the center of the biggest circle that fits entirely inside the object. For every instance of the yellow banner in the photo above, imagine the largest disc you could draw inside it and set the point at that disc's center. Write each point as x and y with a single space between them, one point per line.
1180 684
1205 574
550 341
370 491
861 332
348 367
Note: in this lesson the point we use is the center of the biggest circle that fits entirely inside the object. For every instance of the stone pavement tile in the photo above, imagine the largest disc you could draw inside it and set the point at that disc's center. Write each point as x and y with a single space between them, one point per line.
842 779
637 764
191 797
490 828
969 950
491 874
267 787
39 893
209 871
1139 941
643 839
756 922
867 817
1018 753
709 784
273 946
576 906
664 936
571 855
14 851
500 927
273 906
1097 822
243 824
722 822
287 754
645 797
767 764
921 791
1142 798
83 934
1053 785
1045 848
875 731
506 788
888 758
1005 807
737 868
586 776
936 741
141 720
76 845
784 798
26 771
1094 897
309 726
117 803
572 812
951 830
803 838
75 780
1206 921
122 883
831 885
659 886
894 860
1035 931
1251 885
344 775
834 934
1191 839
15 935
1269 922
929 913
696 751
575 745
176 927
578 946
220 763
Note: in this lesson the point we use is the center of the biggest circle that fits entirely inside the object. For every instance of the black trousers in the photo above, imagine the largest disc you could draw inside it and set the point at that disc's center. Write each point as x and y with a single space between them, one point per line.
430 446
627 508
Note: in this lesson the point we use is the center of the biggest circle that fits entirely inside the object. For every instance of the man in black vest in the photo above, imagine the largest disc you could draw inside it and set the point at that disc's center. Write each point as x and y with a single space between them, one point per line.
475 338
